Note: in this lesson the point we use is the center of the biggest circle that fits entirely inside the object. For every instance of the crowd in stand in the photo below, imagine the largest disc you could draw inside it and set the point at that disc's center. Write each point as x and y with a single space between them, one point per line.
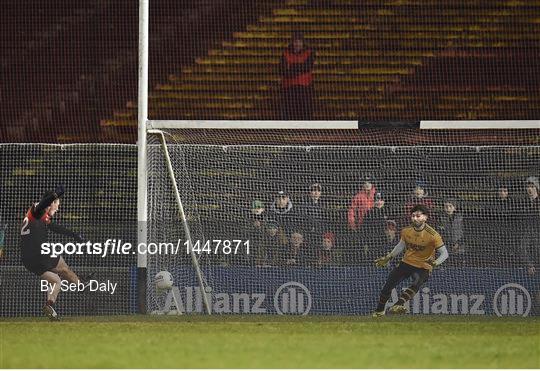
505 232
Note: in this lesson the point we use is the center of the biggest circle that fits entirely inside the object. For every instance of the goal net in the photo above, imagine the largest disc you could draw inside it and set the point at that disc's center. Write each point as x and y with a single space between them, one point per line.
290 221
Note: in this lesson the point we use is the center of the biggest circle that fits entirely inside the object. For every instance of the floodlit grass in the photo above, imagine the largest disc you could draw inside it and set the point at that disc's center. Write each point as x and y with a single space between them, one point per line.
270 342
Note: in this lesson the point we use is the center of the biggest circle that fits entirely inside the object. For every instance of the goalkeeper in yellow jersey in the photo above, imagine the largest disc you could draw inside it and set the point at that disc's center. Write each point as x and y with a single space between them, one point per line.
421 242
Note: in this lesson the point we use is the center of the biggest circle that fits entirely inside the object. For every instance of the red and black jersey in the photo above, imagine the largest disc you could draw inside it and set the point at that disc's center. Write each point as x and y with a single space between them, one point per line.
296 68
34 232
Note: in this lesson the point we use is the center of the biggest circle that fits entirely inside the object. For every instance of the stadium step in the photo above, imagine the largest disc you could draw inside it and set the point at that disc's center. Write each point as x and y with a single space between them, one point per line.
391 35
397 10
353 88
301 21
177 99
247 71
227 86
395 43
169 110
276 79
273 61
335 54
429 27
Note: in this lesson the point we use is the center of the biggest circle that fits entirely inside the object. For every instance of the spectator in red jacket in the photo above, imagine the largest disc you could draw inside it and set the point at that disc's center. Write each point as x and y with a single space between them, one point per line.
361 203
296 68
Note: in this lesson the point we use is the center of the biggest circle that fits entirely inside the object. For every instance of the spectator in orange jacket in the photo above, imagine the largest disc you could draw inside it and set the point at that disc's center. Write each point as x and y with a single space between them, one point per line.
296 69
361 203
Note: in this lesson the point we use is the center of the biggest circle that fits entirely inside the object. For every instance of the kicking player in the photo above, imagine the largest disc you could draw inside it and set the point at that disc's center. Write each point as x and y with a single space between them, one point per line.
34 231
420 241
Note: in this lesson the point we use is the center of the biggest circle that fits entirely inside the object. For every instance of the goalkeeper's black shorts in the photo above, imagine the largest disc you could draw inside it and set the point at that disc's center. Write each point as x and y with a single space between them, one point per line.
41 264
403 271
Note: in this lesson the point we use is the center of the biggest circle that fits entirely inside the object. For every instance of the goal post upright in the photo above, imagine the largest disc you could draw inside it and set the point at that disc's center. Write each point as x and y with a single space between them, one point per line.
142 117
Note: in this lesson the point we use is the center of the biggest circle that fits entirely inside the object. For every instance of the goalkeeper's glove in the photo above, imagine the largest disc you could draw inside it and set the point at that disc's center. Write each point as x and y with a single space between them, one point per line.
383 261
433 263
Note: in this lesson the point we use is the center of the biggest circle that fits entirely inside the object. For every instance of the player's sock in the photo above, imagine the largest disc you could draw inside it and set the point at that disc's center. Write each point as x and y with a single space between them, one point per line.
405 296
381 304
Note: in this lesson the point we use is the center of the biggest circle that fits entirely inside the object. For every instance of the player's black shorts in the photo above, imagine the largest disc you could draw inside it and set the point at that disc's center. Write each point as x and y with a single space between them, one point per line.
402 272
407 270
41 264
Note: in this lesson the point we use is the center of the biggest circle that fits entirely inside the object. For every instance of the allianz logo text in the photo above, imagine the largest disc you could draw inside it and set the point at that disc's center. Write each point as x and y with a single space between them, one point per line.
291 298
511 299
294 298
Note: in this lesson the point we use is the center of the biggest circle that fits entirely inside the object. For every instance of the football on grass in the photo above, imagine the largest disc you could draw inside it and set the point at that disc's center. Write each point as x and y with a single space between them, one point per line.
163 280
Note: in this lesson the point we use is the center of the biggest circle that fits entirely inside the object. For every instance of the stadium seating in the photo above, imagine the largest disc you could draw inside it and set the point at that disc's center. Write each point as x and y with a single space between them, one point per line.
376 61
66 65
395 60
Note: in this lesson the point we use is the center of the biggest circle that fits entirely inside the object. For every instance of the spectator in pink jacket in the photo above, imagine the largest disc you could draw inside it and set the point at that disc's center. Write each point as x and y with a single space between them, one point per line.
361 203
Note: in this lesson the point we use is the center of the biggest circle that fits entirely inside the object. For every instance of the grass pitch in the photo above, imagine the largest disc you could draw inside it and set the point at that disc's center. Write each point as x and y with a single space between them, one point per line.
270 342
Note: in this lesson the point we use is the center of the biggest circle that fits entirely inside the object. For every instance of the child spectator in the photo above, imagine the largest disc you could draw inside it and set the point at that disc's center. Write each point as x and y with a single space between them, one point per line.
326 252
451 227
256 232
298 254
275 245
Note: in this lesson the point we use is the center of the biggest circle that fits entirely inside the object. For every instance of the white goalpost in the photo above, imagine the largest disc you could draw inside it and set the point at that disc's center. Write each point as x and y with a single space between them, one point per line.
142 117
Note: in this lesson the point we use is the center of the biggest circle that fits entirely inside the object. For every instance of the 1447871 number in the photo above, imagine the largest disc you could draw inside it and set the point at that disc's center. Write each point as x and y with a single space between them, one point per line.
225 247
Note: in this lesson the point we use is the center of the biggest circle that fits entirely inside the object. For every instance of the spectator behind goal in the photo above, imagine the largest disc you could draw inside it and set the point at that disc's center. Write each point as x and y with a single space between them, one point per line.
256 231
299 252
361 203
501 216
284 213
373 228
451 228
275 248
326 252
315 214
419 196
529 232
